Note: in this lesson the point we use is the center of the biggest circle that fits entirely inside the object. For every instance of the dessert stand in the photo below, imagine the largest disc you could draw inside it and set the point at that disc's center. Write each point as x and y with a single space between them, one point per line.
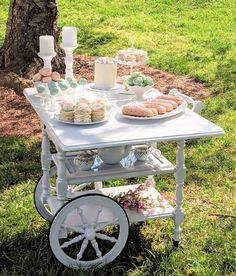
89 228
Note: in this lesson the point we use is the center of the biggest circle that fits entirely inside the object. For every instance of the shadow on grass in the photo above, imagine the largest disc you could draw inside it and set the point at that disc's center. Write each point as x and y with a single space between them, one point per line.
29 254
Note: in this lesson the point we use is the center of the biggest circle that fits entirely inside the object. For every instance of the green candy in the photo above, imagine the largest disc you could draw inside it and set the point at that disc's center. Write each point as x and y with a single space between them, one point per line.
40 88
148 81
136 74
52 84
130 81
138 81
83 81
53 90
73 84
70 79
63 85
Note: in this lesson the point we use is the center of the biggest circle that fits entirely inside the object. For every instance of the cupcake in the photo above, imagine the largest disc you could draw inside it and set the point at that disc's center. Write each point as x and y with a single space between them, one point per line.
98 111
67 112
83 113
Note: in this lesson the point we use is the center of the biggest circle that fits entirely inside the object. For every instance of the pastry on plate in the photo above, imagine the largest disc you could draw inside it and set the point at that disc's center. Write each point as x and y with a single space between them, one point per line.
98 111
67 112
83 113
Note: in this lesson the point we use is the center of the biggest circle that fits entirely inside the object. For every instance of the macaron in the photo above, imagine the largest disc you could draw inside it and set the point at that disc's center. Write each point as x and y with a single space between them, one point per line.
40 88
148 81
63 84
46 79
136 74
55 76
45 72
53 90
83 81
138 81
37 77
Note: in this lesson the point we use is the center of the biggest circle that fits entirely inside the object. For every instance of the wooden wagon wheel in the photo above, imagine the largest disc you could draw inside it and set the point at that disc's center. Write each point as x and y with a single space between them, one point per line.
89 231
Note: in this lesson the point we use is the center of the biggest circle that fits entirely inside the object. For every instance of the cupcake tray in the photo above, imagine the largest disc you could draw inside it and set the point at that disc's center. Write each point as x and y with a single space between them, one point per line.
56 116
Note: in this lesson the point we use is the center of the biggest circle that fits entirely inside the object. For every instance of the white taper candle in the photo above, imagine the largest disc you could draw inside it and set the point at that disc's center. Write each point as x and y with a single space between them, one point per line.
46 45
69 36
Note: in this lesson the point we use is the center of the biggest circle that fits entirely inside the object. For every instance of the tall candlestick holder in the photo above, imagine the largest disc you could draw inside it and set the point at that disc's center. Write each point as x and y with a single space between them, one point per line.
49 101
69 59
47 59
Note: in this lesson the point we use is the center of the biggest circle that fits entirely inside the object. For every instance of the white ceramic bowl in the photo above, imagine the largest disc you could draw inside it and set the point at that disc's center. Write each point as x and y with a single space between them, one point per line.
140 91
113 155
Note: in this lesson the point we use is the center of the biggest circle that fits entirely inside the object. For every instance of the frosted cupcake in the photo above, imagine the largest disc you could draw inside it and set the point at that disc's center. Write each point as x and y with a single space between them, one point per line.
83 113
67 112
98 112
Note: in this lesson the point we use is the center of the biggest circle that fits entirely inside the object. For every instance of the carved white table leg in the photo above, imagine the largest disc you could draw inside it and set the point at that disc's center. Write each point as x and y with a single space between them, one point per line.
180 174
45 162
61 177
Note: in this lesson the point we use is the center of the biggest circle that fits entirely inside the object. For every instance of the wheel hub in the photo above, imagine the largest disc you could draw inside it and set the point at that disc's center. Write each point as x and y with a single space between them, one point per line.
89 233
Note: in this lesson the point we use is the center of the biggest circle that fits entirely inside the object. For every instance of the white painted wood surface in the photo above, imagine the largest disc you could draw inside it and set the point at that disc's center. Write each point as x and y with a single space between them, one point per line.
160 212
121 131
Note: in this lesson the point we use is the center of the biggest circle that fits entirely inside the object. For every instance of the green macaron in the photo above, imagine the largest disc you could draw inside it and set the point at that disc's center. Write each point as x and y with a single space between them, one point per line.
40 88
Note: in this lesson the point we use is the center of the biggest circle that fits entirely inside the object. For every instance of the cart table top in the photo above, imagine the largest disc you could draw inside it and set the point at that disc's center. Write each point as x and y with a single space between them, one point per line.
122 131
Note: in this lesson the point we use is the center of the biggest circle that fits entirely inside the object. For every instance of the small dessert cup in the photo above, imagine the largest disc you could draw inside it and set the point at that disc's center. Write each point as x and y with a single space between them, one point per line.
141 153
140 91
83 162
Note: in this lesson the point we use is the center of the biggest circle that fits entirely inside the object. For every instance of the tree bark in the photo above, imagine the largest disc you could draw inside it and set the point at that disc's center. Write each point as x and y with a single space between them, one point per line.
27 20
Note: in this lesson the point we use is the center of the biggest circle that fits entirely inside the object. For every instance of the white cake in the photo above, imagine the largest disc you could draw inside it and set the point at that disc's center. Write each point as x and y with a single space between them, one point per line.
105 73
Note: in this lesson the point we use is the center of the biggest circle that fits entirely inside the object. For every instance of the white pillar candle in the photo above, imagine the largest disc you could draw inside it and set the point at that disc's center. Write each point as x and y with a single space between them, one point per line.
46 45
69 36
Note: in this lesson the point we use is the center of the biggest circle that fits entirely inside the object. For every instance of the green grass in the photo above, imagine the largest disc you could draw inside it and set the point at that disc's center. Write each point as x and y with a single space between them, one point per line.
196 38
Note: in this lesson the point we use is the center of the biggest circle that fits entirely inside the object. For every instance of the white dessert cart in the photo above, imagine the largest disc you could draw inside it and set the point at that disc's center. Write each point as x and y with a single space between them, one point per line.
89 228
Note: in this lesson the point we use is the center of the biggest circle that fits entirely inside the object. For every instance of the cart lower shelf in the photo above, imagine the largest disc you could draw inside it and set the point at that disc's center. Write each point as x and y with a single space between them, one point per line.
127 168
164 211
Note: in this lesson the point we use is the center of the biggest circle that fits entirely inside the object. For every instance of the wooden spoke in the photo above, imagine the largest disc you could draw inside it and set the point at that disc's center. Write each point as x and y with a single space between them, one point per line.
105 237
96 248
75 228
74 240
104 224
83 247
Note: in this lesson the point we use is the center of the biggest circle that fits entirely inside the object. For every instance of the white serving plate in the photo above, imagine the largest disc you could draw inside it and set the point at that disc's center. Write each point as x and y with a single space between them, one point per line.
56 116
116 89
181 108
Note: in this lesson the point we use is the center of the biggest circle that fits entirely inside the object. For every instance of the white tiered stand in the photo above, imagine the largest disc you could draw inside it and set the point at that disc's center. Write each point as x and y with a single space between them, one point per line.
81 220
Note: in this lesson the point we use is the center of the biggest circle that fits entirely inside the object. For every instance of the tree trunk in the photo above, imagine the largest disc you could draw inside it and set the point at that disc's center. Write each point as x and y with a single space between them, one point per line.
27 20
